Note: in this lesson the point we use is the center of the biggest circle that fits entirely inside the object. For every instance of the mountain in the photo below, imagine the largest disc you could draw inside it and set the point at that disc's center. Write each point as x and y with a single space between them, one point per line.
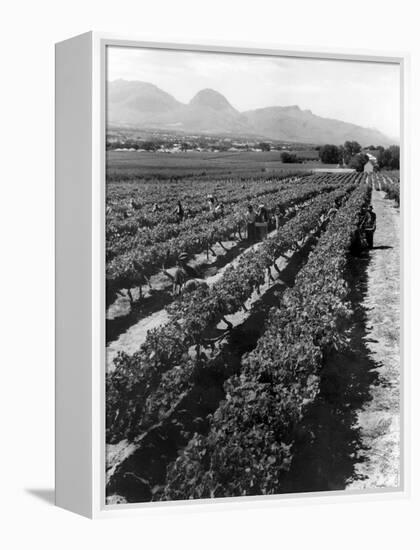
145 105
294 124
210 112
210 99
139 103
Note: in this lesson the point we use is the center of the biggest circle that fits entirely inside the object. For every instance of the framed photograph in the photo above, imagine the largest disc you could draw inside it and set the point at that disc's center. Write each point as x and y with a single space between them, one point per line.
229 228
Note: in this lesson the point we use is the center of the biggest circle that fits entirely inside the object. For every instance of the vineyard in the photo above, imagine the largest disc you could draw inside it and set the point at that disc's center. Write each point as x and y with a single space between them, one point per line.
390 183
208 390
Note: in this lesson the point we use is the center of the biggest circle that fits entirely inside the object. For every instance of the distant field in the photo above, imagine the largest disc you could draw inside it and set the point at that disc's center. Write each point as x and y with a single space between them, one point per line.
126 165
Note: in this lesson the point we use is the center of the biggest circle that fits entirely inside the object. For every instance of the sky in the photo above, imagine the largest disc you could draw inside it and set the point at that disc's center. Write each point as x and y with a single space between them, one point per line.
367 94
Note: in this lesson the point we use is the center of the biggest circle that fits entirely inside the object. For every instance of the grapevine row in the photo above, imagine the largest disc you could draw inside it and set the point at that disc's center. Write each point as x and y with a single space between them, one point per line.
136 377
128 270
251 435
129 211
141 237
145 236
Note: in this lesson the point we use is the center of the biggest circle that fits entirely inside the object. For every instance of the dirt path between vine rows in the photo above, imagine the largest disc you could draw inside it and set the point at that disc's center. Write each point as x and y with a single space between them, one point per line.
379 420
131 340
248 326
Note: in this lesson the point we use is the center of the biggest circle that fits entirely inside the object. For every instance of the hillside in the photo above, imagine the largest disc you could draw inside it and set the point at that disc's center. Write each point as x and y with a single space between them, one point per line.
145 105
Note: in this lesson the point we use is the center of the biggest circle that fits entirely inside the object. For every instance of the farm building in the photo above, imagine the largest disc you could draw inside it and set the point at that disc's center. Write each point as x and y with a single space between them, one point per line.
369 167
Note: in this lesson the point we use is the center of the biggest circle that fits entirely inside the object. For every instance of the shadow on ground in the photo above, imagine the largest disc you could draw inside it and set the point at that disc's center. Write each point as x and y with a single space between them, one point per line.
139 477
159 299
140 309
328 445
47 495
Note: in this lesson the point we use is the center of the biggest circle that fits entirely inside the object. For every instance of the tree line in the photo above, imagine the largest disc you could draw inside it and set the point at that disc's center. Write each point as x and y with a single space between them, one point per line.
350 154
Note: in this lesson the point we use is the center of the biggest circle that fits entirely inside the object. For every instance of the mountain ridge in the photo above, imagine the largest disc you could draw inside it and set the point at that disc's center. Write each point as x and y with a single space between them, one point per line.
145 105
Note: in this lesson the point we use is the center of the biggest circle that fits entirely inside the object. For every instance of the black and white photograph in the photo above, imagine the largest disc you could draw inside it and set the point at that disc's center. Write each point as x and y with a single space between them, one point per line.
252 275
209 272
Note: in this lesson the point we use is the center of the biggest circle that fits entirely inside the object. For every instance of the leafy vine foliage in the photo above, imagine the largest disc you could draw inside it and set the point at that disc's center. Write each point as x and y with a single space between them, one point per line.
135 250
144 386
249 444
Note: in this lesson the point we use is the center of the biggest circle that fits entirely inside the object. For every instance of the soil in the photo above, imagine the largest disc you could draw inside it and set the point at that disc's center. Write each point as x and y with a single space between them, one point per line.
131 339
136 470
349 436
379 420
135 335
138 323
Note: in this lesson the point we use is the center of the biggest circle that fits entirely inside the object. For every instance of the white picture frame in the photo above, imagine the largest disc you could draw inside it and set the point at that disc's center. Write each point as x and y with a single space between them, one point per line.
80 268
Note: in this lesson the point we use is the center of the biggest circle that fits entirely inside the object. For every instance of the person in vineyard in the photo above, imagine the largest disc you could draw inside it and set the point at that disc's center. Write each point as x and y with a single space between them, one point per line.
261 222
183 273
359 243
278 214
333 210
179 211
368 225
250 223
218 210
210 202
